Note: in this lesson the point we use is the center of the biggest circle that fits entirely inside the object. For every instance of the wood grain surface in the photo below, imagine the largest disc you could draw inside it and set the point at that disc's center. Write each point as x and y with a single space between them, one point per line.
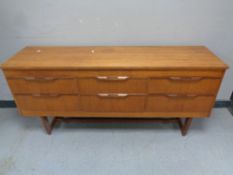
115 57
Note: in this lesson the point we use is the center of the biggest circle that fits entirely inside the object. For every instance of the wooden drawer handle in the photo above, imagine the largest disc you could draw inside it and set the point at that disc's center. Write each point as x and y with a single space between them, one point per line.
186 78
39 78
112 95
112 78
181 96
46 95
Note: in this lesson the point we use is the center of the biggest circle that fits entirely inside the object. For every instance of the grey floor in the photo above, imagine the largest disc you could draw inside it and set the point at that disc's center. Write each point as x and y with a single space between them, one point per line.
132 149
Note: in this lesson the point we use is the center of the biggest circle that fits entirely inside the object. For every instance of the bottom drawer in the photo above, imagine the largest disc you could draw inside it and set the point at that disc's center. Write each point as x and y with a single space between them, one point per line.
112 103
180 103
48 103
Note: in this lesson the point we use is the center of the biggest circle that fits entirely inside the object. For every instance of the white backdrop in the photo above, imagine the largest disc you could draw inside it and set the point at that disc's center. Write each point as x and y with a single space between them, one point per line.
117 22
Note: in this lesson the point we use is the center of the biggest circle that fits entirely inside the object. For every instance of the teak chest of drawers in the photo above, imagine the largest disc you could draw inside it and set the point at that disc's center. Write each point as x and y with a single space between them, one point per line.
128 83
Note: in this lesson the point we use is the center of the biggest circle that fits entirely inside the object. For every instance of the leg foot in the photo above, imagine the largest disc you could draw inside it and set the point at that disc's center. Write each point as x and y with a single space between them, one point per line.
184 126
46 124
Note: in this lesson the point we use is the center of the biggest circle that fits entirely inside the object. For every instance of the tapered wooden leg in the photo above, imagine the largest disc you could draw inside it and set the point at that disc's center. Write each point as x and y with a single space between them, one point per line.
55 121
46 124
185 126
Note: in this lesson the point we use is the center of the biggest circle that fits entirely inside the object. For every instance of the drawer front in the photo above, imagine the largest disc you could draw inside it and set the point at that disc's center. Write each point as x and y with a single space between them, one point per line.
113 103
111 84
180 103
131 73
118 92
42 85
194 85
48 103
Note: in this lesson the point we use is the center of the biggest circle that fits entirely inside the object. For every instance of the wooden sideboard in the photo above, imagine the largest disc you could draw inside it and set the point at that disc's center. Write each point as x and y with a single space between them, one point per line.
147 83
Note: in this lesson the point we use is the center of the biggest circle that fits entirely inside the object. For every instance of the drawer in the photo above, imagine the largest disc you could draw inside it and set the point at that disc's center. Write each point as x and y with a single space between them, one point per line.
194 85
180 103
42 85
48 103
131 73
112 103
111 84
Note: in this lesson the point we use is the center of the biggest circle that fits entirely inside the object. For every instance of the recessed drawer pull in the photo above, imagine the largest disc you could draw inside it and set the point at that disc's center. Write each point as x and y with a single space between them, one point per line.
39 78
46 95
181 96
112 95
186 78
112 77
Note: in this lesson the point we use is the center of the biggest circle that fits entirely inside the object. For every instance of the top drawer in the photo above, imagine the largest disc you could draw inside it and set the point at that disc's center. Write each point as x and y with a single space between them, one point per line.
112 84
28 85
129 73
114 81
184 85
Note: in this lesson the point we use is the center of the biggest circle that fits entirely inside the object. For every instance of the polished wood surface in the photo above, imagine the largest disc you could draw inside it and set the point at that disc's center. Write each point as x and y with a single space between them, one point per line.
28 85
184 85
47 103
115 82
171 95
95 85
180 103
113 103
137 57
12 73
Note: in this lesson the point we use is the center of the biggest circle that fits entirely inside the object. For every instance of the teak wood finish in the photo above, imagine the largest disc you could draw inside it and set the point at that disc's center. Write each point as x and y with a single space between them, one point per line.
131 83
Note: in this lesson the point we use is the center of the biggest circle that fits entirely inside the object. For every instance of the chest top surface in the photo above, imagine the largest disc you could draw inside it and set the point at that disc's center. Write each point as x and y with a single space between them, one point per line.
114 57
